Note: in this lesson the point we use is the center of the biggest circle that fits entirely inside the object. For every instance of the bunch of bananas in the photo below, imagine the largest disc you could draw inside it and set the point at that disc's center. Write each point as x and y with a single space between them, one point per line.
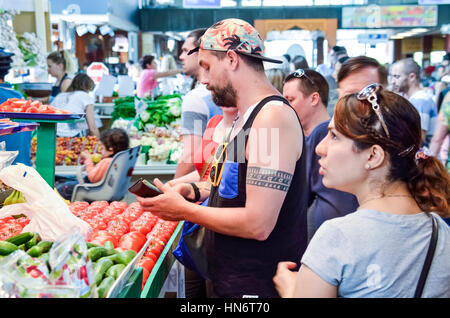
15 197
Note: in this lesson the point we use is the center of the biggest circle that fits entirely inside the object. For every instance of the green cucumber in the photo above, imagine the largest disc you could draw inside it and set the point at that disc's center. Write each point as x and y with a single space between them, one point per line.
21 238
100 269
115 270
32 242
45 245
105 286
110 257
125 257
35 251
108 245
89 245
95 253
7 248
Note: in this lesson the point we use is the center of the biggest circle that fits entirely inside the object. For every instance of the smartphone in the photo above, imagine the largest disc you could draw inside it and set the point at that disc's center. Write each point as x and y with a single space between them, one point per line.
144 189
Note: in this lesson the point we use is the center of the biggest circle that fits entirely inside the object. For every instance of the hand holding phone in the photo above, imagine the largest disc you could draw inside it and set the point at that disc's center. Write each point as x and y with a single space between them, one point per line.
144 189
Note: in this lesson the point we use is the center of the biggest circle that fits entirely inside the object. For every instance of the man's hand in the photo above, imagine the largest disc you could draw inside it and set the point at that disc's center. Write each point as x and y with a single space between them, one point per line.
285 279
170 205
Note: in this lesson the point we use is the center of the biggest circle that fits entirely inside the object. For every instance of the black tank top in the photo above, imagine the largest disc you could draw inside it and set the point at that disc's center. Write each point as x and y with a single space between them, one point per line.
244 267
57 88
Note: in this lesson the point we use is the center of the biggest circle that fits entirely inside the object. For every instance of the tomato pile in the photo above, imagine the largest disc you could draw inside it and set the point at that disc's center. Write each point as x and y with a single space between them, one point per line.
128 227
10 226
15 105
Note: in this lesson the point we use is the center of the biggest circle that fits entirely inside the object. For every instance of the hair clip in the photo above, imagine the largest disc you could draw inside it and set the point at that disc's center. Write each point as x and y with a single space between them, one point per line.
422 153
407 151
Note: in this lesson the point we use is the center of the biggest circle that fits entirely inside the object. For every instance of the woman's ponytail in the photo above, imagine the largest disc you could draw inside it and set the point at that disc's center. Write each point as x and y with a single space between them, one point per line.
66 59
70 62
430 185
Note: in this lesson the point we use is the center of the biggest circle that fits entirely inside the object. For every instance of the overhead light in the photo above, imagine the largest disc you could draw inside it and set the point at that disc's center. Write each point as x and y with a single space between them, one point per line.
105 29
92 28
396 37
82 30
419 30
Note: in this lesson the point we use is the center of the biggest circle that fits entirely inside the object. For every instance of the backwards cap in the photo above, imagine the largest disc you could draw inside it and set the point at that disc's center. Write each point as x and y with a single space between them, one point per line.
237 35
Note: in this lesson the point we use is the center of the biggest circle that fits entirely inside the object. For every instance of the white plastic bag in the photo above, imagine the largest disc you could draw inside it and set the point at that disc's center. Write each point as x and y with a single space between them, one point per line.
49 214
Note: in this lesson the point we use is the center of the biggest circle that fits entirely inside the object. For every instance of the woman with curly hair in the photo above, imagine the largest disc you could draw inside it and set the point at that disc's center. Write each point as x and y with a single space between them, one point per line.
372 151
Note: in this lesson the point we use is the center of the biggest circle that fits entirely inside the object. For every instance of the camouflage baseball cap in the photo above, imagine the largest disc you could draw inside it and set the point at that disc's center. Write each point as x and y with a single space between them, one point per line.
237 35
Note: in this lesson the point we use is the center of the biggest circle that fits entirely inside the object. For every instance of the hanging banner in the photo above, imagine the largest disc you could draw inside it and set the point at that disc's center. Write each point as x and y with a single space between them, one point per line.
375 16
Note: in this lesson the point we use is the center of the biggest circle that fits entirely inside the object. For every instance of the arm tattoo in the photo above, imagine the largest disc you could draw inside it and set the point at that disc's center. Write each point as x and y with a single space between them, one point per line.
269 178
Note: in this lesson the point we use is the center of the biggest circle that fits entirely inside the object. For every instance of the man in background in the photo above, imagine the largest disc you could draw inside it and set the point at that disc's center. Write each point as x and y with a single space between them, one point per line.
405 79
197 108
307 93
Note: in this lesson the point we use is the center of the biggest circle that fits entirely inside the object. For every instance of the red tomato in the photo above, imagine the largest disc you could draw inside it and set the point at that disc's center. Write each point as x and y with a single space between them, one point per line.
143 224
119 205
135 205
145 275
156 247
23 221
100 204
7 219
117 228
132 241
78 206
147 263
100 237
97 223
93 210
10 229
151 255
132 213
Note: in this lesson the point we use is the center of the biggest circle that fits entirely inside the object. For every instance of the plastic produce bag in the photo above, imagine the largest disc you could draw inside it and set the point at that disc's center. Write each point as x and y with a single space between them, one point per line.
6 157
50 216
68 274
70 265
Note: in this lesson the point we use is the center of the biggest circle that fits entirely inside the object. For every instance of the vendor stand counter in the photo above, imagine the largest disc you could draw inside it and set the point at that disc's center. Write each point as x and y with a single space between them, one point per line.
104 109
46 138
158 275
12 128
162 171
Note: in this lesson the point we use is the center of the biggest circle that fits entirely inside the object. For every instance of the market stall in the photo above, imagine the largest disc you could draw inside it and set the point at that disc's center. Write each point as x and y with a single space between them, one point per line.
114 250
152 124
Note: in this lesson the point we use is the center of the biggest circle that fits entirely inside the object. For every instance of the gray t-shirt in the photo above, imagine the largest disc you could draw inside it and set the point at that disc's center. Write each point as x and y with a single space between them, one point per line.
197 108
375 254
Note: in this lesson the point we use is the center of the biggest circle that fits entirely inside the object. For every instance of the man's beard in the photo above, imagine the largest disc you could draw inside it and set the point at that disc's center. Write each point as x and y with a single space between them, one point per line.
403 87
225 97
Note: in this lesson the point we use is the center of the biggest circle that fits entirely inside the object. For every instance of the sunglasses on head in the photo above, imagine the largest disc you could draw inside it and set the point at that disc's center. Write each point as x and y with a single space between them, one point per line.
220 156
300 73
369 93
215 174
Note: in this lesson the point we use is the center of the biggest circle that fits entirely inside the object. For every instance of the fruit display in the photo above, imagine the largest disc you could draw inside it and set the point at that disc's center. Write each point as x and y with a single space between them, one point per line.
126 227
158 144
158 236
14 197
152 124
120 231
11 226
68 149
94 268
15 105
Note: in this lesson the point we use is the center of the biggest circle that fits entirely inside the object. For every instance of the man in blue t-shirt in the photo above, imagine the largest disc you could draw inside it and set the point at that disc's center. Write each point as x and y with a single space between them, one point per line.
19 141
405 78
307 91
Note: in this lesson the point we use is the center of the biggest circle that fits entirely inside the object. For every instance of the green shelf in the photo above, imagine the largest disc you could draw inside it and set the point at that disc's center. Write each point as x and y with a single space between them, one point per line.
46 146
